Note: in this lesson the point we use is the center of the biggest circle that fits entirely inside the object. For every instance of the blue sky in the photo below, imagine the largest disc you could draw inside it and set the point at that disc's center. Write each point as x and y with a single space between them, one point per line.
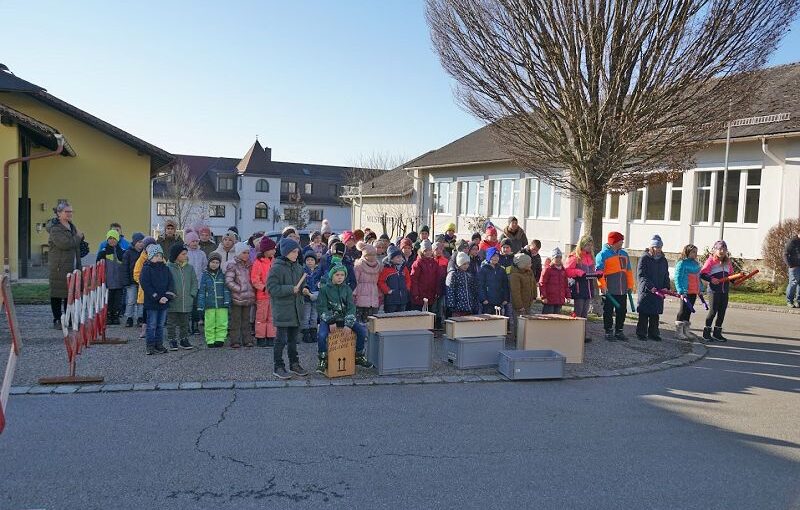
318 81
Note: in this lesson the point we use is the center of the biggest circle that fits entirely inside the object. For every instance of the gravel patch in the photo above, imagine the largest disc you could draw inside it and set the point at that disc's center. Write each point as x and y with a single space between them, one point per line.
44 355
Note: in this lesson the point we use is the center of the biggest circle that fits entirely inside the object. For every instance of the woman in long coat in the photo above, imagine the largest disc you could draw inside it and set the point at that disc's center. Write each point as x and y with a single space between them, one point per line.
64 257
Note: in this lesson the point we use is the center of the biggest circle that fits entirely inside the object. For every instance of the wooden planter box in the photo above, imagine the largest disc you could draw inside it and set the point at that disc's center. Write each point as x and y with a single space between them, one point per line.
400 321
554 332
473 326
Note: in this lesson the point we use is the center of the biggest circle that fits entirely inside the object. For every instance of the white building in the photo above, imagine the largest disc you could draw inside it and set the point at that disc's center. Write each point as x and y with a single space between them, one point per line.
472 177
256 194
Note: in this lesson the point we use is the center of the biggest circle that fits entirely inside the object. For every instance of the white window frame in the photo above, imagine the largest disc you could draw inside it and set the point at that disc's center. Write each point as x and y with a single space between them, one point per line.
308 188
437 193
465 200
166 206
320 214
496 187
265 209
555 196
716 174
607 208
266 182
220 178
211 208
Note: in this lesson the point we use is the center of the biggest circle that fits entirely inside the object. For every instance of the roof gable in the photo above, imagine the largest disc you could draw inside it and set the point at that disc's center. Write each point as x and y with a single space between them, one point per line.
255 161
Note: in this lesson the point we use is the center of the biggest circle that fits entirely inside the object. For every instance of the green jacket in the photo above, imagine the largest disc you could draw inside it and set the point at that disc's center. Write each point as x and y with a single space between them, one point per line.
335 304
185 287
287 307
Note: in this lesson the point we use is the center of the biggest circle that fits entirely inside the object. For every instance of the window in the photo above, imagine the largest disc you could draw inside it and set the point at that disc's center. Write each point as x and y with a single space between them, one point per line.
611 208
505 197
262 185
752 196
225 183
288 187
216 211
261 211
656 202
471 198
290 215
544 200
333 190
533 197
637 204
441 197
165 209
315 214
702 205
307 188
675 202
742 196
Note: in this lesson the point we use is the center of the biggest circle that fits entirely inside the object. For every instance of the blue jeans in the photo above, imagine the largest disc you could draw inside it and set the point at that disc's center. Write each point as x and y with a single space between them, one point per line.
155 326
793 289
325 330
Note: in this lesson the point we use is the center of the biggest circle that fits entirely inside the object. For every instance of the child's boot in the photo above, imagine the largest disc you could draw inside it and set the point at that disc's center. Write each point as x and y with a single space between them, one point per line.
362 361
717 335
680 330
707 334
261 342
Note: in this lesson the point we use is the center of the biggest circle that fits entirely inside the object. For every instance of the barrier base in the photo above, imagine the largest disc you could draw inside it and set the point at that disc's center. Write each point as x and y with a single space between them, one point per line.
71 379
110 341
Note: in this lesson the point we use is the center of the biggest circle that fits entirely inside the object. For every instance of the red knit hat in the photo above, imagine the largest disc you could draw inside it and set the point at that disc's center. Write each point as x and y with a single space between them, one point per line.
406 242
615 237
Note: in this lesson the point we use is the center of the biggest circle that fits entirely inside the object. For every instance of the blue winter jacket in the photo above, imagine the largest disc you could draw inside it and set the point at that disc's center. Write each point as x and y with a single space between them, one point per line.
684 268
213 293
312 280
156 282
493 284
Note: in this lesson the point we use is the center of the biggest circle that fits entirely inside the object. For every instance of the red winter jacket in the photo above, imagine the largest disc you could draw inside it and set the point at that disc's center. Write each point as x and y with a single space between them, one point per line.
553 285
258 277
425 273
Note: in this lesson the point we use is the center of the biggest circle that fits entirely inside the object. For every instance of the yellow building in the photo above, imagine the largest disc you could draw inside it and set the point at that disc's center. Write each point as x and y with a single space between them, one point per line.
104 172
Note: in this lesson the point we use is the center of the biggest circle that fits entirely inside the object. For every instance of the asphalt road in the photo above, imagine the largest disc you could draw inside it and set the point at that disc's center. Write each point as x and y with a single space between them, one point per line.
723 433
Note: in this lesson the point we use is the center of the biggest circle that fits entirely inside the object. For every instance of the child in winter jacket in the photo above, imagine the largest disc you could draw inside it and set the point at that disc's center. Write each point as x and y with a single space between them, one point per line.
425 277
113 254
337 309
522 284
213 301
180 308
506 256
462 288
394 282
243 296
580 263
133 310
492 283
286 292
265 329
198 260
615 283
689 285
137 271
554 284
367 294
157 288
490 241
717 267
313 276
653 274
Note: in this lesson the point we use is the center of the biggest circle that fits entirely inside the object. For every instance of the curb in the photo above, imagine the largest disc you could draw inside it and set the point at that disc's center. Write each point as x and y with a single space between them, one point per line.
699 351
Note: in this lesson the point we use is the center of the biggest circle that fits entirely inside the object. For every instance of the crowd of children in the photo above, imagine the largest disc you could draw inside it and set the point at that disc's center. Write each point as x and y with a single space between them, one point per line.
259 293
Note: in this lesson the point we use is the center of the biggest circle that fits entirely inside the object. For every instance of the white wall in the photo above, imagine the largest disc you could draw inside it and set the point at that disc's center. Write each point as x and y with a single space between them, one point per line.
249 197
779 199
218 225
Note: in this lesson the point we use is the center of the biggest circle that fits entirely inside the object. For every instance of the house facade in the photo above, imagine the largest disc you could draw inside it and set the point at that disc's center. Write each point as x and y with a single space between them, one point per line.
255 194
472 178
103 171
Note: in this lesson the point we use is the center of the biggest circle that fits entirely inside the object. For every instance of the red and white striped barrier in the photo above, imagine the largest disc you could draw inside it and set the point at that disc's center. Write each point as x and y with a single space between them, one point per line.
7 302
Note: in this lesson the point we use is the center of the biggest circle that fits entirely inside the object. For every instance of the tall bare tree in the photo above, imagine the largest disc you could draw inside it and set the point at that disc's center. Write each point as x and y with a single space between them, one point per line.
598 96
184 190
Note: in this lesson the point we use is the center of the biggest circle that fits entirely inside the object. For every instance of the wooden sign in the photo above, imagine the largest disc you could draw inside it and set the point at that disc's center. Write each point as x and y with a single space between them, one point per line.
341 353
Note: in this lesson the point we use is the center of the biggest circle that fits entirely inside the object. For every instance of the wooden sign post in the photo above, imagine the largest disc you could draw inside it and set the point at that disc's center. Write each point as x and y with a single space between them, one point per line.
341 353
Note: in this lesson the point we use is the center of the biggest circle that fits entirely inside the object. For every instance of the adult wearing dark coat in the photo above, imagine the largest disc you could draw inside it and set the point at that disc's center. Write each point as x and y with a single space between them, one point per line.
63 258
653 273
514 233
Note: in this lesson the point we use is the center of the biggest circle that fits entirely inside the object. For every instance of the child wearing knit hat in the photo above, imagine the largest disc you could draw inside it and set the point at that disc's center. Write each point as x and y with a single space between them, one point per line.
264 326
113 254
133 310
182 305
198 260
462 288
615 284
213 301
554 284
366 294
243 296
717 266
313 271
158 288
653 272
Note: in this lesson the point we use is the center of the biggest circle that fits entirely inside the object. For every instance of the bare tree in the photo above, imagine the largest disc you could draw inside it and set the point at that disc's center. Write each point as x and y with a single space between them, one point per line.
297 213
184 191
608 95
366 167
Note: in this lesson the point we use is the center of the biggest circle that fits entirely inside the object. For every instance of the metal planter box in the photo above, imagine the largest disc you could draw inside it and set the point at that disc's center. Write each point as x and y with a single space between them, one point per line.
401 352
479 352
526 365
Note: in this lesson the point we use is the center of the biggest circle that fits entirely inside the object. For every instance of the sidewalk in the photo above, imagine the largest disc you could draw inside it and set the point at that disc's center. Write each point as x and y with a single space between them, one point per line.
44 355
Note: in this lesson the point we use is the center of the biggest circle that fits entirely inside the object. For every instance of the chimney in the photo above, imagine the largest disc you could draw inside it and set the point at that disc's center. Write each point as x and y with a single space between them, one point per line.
268 152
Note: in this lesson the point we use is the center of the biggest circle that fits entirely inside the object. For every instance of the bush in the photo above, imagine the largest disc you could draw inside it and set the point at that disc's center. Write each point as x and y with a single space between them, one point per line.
775 243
